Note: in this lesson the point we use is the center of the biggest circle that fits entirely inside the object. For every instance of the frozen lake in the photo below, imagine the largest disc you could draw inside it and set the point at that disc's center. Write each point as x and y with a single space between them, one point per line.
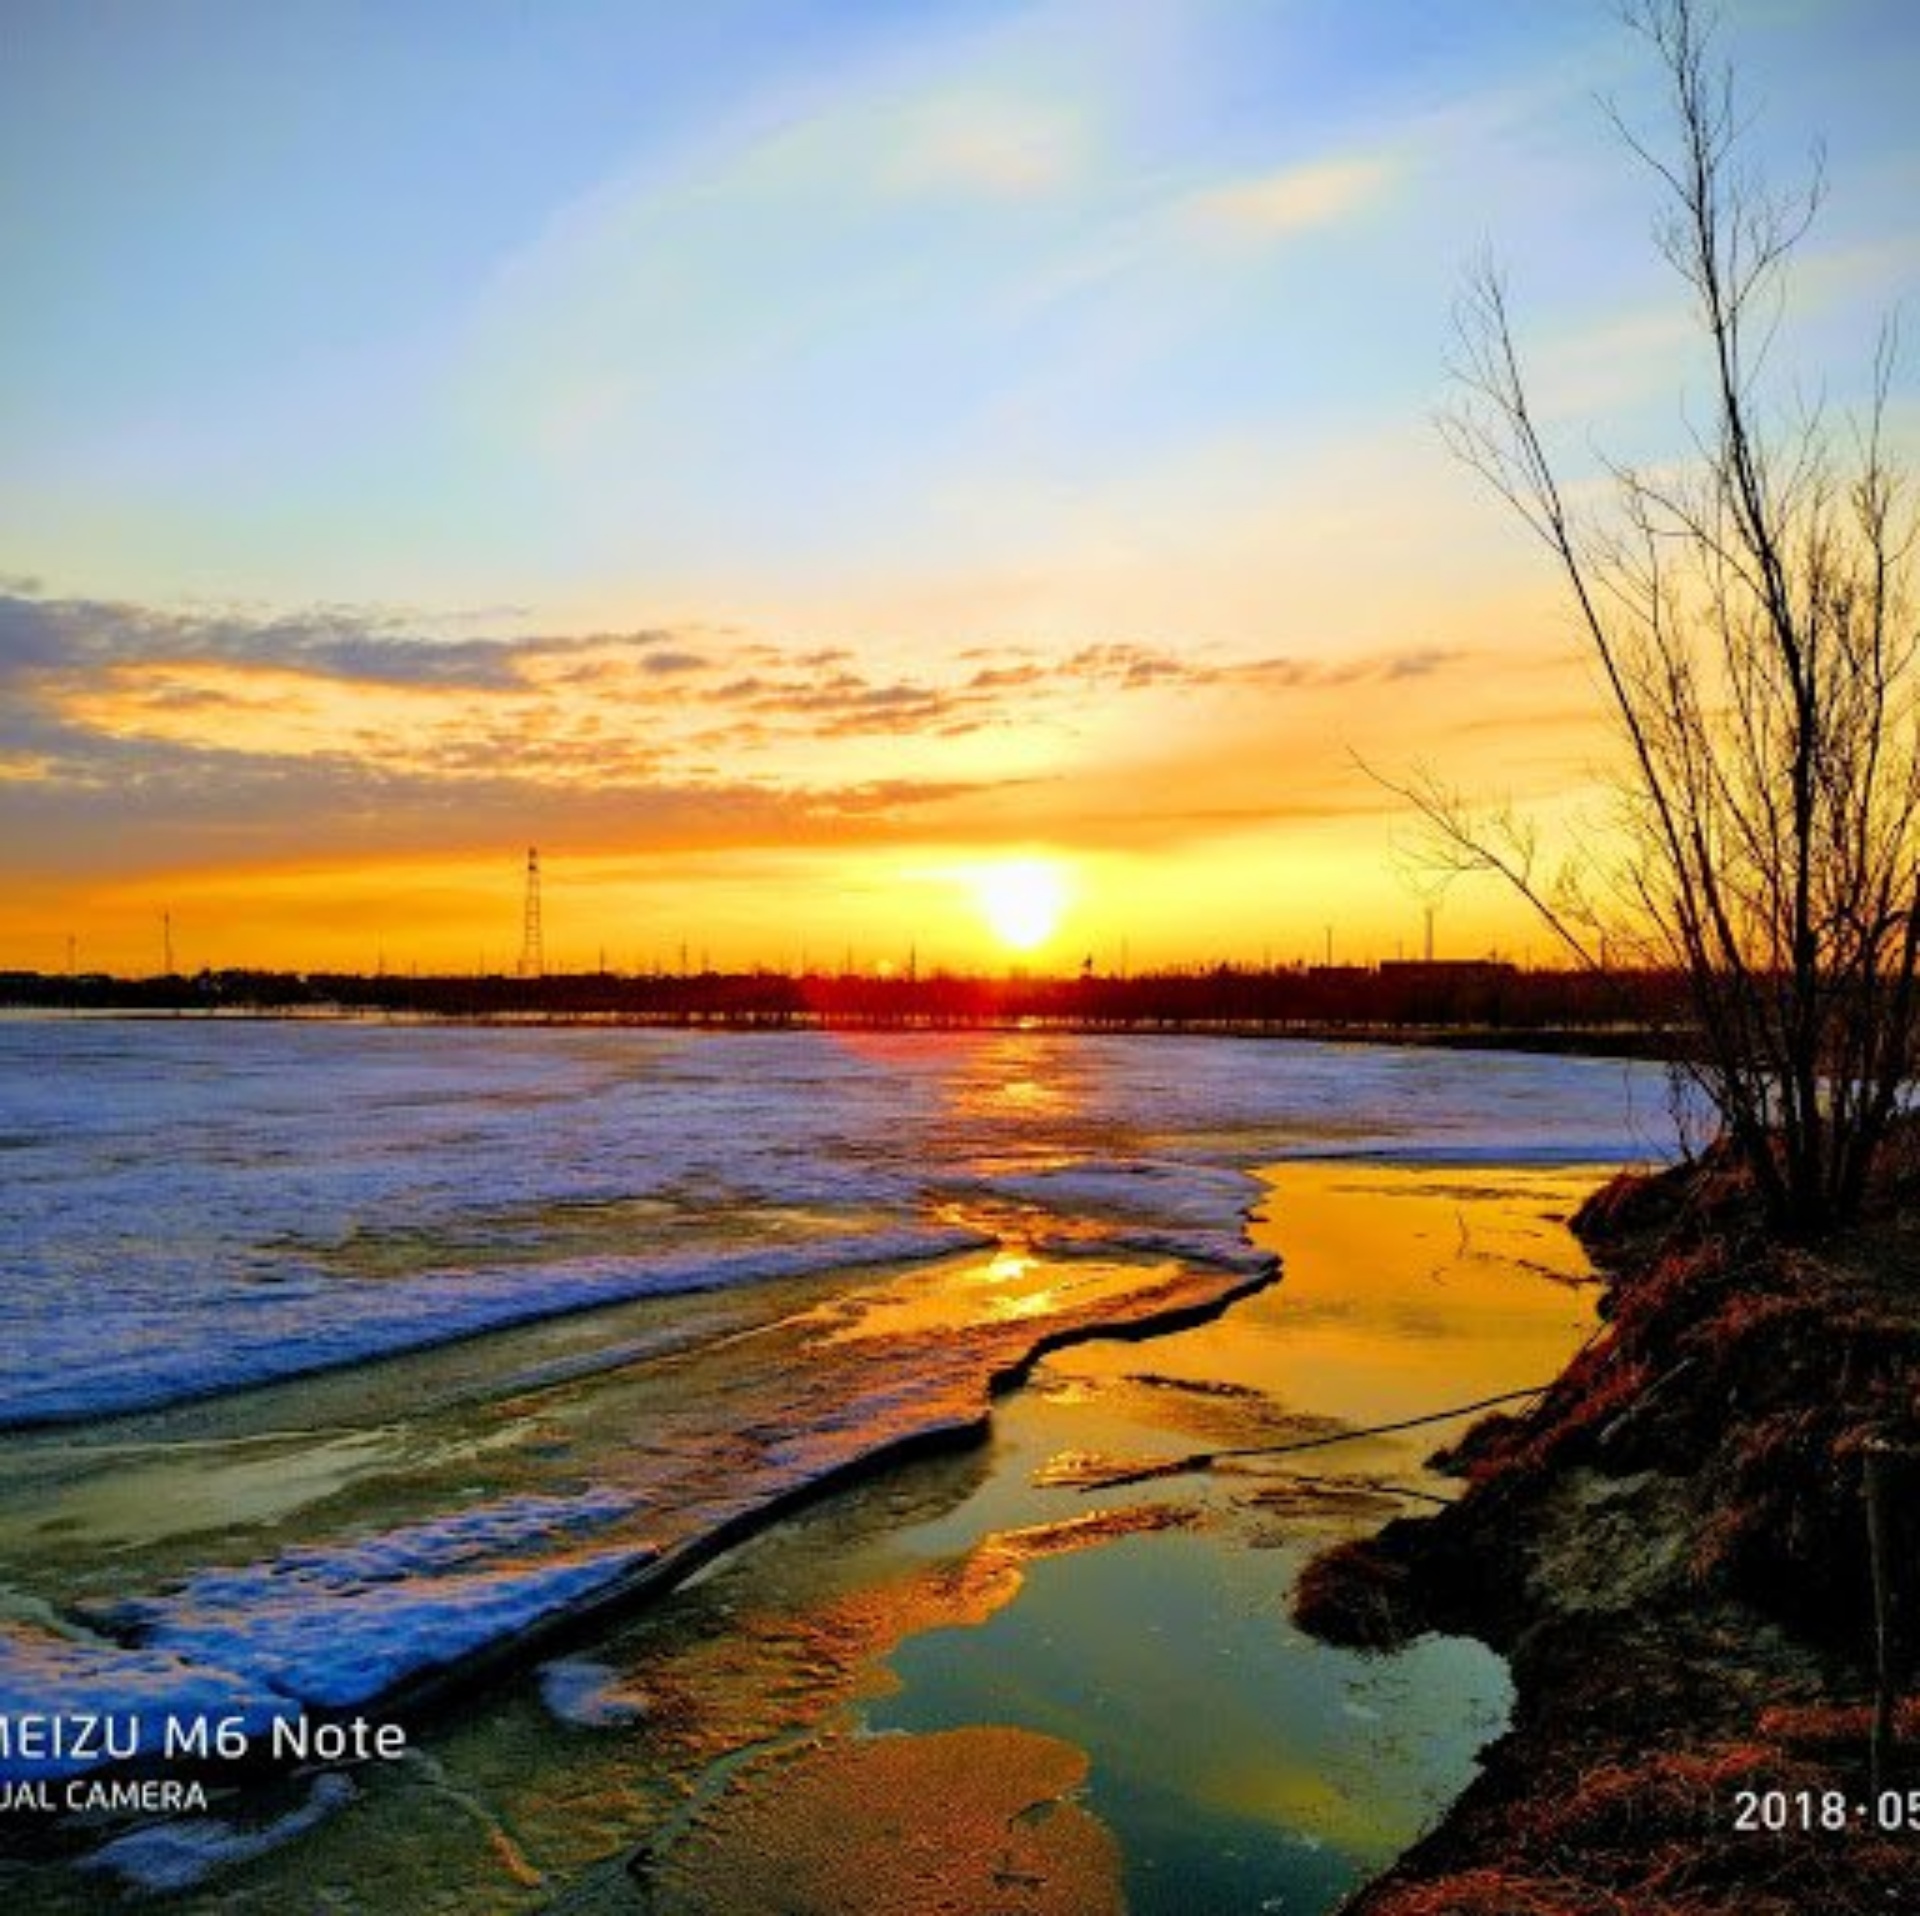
337 1356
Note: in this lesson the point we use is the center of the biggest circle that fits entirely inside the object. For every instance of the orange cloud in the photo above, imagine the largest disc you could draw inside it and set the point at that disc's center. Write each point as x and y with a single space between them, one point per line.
253 764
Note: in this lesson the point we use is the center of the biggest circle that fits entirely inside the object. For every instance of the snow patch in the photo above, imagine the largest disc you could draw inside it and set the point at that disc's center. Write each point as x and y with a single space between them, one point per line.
337 1625
580 1691
166 1856
134 1693
65 1367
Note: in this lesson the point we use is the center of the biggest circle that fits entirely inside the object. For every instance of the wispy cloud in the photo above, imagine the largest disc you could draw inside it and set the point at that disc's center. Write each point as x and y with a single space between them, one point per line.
66 637
1296 199
975 145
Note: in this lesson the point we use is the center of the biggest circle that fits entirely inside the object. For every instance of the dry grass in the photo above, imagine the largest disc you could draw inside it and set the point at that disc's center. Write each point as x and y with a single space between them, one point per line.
1356 1596
1655 1834
1731 1396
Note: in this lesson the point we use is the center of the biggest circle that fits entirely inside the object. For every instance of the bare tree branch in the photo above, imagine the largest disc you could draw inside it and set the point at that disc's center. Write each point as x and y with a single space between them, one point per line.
1753 621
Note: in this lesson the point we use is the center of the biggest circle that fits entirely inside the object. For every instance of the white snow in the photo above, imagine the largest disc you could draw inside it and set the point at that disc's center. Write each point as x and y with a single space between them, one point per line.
578 1690
329 1626
337 1625
66 1679
176 1855
190 1207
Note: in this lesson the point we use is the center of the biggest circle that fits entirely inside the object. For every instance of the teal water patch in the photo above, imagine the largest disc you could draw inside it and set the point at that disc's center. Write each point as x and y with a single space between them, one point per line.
1241 1765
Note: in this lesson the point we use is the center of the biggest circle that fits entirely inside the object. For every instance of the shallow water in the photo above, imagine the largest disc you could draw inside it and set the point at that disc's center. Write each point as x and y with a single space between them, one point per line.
1242 1765
719 1267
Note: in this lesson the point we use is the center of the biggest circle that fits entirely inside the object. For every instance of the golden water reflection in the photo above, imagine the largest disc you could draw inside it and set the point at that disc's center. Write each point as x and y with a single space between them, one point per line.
1406 1289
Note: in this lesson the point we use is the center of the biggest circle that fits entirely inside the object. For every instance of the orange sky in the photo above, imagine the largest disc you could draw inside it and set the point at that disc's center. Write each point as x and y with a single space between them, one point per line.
753 802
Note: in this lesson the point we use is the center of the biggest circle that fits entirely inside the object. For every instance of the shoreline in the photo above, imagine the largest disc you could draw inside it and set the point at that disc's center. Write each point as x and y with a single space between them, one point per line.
1685 1504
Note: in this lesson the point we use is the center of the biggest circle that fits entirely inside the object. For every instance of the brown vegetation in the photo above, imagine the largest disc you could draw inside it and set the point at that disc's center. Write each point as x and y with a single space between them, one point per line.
1672 1550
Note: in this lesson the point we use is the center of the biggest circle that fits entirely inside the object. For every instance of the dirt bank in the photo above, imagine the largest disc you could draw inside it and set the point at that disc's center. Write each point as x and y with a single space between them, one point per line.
1672 1550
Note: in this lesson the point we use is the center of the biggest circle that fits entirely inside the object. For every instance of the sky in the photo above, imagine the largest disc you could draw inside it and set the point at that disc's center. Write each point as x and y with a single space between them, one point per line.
847 481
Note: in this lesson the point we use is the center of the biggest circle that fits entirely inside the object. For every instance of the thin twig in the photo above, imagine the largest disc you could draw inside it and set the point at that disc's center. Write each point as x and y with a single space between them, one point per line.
1206 1459
1359 1486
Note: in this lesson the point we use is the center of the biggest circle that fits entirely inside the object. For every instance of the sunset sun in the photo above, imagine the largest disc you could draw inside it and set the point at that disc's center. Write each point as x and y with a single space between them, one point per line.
1021 900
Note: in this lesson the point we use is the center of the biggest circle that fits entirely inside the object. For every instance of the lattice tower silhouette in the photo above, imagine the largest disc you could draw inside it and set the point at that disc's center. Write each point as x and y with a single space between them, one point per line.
533 959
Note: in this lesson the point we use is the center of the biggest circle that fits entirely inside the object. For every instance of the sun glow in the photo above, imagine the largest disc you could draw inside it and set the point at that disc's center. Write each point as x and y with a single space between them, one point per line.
1021 900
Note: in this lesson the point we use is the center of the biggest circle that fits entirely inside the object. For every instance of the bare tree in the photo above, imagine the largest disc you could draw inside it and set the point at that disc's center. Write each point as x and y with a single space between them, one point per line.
1751 618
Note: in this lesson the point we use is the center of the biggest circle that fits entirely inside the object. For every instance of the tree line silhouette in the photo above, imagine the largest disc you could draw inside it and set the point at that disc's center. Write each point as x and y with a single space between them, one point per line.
1634 1011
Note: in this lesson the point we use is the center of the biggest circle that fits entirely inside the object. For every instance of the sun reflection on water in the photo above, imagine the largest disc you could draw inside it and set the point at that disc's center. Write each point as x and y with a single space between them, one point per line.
1004 1267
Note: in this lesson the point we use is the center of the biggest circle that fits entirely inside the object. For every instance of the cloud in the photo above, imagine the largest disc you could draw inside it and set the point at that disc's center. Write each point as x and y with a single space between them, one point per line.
1297 199
134 735
105 807
979 146
1140 667
131 736
79 636
163 659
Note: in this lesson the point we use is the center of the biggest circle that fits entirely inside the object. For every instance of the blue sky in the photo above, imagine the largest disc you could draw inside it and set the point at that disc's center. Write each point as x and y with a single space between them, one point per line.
581 303
918 330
